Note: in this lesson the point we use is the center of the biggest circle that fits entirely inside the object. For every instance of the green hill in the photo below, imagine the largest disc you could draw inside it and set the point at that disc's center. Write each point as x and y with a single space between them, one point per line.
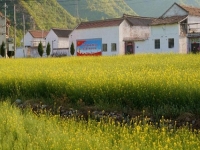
97 9
45 14
38 14
155 8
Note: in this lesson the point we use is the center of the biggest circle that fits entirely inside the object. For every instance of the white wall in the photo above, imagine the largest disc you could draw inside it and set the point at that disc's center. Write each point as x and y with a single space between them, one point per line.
175 10
27 39
141 32
108 34
194 19
52 39
63 42
164 32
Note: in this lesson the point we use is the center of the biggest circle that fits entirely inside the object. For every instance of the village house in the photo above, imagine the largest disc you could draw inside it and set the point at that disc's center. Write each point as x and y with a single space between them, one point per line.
30 43
176 31
59 41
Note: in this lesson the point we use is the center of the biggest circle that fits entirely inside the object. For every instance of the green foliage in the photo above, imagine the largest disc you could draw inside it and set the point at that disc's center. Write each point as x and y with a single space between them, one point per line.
97 9
3 50
40 49
48 49
72 50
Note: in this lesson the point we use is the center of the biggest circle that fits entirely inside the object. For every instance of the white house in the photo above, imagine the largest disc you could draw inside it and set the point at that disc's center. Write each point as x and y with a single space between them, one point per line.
31 41
175 31
110 37
59 41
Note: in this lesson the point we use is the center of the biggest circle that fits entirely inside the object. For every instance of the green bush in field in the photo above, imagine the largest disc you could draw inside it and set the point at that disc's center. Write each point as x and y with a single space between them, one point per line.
48 49
25 130
3 50
72 50
40 49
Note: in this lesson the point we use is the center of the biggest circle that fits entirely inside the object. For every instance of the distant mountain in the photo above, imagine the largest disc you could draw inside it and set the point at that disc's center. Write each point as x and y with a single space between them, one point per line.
155 8
96 9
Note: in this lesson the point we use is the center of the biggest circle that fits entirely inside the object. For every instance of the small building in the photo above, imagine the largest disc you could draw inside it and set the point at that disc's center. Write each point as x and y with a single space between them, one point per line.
31 41
176 31
111 36
59 41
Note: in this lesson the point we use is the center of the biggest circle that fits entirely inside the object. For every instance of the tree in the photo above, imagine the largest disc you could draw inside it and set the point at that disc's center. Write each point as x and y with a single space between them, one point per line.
40 49
72 50
3 49
48 49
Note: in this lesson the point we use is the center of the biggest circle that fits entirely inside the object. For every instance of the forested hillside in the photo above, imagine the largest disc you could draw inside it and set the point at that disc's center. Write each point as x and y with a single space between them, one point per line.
38 14
96 9
155 8
45 14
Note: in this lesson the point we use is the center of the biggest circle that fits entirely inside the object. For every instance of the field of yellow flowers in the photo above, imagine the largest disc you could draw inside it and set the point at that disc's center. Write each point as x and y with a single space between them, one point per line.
163 82
24 130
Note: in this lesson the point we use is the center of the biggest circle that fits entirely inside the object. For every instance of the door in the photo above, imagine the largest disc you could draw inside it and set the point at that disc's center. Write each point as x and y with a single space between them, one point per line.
195 48
130 48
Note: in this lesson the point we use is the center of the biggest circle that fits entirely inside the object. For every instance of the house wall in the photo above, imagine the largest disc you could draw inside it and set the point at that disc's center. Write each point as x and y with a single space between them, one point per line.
30 41
52 38
162 32
175 10
108 34
2 30
27 39
63 42
194 23
141 32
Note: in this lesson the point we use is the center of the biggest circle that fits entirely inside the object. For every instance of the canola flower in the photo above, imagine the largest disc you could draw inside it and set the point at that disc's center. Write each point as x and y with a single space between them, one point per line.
163 82
24 130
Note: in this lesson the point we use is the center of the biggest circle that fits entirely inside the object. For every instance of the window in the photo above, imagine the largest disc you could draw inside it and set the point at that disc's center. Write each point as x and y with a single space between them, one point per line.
113 47
157 44
104 47
171 43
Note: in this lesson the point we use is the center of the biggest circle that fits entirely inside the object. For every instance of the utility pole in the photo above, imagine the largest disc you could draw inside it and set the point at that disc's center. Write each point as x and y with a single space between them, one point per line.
14 32
77 10
24 34
5 6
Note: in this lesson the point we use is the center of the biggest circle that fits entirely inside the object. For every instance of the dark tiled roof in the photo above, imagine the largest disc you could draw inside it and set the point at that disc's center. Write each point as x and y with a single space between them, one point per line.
168 20
139 21
100 23
38 33
62 32
194 11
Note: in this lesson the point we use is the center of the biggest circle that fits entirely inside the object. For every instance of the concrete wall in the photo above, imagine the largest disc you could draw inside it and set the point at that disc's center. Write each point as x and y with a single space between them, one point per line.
108 34
52 39
164 32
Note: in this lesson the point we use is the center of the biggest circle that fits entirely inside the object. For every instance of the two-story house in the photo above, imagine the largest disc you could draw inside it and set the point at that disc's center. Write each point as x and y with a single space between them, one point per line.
31 41
176 31
59 41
